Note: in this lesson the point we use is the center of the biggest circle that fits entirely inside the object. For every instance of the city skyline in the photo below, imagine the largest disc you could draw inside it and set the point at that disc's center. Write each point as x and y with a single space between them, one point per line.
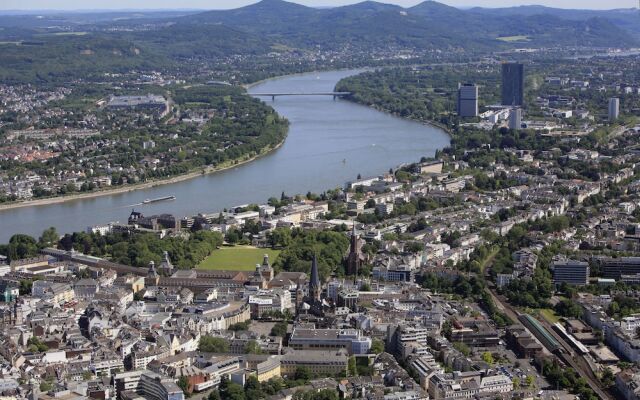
67 5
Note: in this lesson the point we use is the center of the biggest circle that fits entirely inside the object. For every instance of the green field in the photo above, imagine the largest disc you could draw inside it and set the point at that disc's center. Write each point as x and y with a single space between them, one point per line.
520 38
237 258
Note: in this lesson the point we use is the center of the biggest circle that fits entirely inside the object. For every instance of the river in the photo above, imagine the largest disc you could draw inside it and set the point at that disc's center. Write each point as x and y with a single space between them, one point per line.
329 142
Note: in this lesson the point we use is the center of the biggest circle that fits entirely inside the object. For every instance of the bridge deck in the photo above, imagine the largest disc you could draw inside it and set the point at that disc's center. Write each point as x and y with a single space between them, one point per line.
302 94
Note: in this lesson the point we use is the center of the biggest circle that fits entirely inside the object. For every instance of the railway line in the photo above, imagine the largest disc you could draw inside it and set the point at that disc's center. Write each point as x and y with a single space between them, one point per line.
555 344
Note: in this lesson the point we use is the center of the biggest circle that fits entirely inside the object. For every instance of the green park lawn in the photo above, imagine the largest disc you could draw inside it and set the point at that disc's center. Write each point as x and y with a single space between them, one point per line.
237 258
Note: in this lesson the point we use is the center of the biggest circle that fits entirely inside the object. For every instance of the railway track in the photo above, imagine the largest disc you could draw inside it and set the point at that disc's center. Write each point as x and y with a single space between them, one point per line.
579 364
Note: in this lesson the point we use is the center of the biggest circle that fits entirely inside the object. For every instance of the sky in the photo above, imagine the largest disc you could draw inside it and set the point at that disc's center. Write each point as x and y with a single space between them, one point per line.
226 4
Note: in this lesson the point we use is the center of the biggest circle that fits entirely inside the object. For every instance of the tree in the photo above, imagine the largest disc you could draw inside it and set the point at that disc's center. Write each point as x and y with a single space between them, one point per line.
233 391
302 374
214 395
21 246
252 382
183 383
49 237
462 348
211 344
516 383
233 236
36 345
25 286
530 381
197 226
351 366
329 246
414 247
377 346
252 347
46 386
447 329
324 394
279 329
568 308
240 326
280 237
487 357
608 378
66 243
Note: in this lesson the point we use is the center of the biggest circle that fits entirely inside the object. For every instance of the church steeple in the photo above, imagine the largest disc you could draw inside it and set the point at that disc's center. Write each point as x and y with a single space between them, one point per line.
166 267
152 275
315 288
266 270
353 260
354 238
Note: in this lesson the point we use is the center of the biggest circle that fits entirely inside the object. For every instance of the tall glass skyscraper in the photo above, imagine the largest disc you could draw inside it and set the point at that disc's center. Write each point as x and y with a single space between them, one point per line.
512 84
468 100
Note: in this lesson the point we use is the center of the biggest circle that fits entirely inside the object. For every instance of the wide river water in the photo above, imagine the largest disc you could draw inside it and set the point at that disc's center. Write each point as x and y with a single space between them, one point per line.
330 142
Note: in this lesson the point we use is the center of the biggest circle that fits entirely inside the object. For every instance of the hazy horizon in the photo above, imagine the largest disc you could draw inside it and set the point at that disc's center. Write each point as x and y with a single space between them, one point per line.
165 5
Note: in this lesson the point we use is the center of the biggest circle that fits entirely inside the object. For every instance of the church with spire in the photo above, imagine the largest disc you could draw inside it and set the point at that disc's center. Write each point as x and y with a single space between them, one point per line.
354 261
312 302
315 287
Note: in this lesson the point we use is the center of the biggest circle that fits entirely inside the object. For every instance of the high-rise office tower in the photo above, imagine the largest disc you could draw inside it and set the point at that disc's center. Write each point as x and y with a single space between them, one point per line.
515 118
512 84
468 100
614 108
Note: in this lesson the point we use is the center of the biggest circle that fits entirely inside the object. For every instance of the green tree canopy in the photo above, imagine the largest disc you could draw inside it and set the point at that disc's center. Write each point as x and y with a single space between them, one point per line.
212 344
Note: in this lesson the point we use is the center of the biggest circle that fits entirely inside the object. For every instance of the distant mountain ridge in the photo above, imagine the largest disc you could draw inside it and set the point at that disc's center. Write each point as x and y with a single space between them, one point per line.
625 18
53 46
427 25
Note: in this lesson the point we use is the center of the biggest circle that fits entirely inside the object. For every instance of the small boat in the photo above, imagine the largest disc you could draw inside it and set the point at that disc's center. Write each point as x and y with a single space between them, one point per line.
166 198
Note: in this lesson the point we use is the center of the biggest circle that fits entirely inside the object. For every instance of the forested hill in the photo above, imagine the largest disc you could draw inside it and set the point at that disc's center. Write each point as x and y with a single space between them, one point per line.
625 18
429 24
50 47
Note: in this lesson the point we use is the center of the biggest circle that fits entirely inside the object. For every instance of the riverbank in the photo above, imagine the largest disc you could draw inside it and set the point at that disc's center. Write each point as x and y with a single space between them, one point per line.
378 108
433 124
428 123
328 143
207 170
145 185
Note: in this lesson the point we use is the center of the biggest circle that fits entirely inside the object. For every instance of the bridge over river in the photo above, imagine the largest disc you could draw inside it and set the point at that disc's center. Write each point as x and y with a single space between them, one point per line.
274 95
